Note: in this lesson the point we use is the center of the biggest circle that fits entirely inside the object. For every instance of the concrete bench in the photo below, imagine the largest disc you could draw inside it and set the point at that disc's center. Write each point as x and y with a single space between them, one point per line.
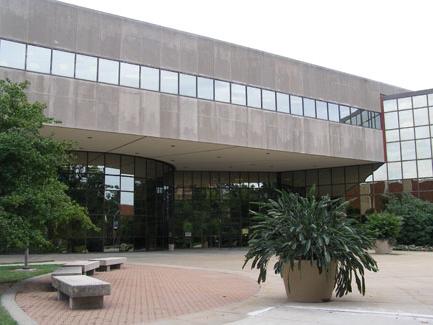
83 292
65 271
88 267
107 263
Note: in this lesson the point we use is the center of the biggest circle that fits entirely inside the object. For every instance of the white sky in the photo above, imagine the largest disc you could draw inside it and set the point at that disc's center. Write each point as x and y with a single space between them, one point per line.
386 40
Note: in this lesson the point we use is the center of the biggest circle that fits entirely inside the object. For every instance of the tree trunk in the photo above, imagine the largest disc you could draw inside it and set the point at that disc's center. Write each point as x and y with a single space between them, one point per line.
26 258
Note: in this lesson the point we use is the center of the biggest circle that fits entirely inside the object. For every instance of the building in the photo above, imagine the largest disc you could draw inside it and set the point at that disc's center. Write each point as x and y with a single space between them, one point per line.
177 133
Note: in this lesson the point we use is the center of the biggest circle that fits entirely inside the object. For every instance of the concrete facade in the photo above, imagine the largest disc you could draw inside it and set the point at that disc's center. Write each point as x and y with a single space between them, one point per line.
111 109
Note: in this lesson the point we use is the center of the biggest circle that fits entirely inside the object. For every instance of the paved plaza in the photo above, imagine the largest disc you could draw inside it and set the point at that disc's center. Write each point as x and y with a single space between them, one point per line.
209 287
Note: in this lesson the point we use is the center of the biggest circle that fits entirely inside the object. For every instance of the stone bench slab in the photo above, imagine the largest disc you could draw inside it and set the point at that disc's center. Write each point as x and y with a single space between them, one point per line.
108 263
88 267
65 271
82 291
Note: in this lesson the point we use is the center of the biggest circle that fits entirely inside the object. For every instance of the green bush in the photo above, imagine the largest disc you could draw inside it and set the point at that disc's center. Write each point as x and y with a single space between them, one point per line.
417 219
384 225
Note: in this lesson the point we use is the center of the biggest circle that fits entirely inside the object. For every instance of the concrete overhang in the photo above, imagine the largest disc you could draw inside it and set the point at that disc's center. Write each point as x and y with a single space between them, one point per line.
192 155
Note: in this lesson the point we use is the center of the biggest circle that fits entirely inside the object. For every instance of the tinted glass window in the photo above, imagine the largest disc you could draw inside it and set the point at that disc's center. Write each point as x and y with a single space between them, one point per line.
238 94
394 170
63 63
393 151
419 101
283 103
149 78
345 114
406 134
356 116
129 75
365 116
108 71
187 84
423 149
169 82
268 98
296 105
321 110
408 150
254 97
391 120
409 169
38 59
309 107
205 88
333 112
404 103
222 91
390 105
420 116
12 54
86 67
424 168
406 118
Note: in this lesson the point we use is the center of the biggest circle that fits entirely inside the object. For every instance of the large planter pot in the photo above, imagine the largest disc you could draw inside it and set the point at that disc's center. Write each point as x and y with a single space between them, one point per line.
307 284
383 246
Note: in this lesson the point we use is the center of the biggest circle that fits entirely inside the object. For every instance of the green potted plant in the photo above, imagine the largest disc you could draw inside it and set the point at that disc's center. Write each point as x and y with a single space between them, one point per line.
317 247
385 227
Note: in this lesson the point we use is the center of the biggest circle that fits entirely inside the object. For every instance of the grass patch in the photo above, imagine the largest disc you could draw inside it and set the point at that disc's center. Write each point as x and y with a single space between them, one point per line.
9 275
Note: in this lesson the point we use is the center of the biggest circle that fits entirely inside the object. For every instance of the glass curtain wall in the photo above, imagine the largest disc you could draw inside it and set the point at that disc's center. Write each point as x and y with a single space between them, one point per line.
130 200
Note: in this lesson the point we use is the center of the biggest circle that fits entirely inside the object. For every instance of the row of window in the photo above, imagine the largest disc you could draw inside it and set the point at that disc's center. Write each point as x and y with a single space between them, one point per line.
411 133
404 170
408 118
44 60
408 102
409 150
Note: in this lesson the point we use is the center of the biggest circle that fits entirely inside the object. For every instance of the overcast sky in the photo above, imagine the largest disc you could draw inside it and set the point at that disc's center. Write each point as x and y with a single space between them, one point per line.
386 40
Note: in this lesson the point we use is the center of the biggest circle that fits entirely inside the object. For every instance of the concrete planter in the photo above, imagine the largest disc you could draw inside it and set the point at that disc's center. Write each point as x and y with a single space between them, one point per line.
383 246
307 284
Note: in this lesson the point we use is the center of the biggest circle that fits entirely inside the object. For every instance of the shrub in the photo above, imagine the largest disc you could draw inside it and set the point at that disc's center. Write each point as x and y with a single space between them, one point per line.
417 219
384 225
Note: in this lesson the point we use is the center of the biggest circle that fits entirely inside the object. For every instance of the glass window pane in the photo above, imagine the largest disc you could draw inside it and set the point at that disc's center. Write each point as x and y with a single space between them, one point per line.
309 107
356 116
393 151
129 75
63 63
422 132
424 168
149 78
222 91
430 99
296 105
390 105
238 94
108 71
419 101
38 59
12 54
187 84
406 134
394 170
344 114
333 112
283 103
169 82
205 88
392 135
366 120
404 103
423 149
321 110
254 97
409 169
268 99
420 116
408 150
86 67
406 118
380 174
127 183
377 121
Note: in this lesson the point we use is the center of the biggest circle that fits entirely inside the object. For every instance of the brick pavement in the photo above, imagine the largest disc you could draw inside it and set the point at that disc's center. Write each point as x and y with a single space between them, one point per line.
140 294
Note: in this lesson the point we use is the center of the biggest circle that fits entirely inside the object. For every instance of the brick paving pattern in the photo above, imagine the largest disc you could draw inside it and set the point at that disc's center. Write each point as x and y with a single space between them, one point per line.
140 294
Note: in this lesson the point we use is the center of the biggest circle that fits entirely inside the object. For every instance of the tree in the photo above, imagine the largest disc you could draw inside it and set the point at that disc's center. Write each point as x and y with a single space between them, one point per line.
34 205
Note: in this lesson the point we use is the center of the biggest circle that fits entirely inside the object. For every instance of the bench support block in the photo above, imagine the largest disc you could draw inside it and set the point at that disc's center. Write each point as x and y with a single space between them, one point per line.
61 296
86 302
